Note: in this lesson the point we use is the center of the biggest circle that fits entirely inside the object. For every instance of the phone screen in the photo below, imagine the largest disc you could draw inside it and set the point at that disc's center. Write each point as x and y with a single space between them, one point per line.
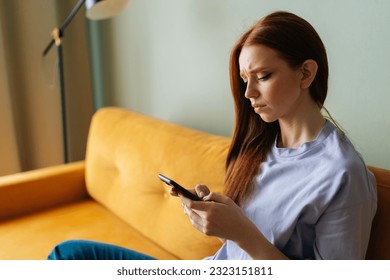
178 188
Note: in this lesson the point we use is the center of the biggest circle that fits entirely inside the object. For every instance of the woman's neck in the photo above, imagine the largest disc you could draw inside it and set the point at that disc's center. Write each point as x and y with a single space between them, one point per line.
303 127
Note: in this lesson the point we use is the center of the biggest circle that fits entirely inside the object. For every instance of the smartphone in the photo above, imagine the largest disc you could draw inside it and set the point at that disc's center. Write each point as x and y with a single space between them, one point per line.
178 188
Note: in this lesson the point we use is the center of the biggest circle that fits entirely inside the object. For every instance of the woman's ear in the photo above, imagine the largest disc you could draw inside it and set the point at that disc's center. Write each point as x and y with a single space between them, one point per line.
309 71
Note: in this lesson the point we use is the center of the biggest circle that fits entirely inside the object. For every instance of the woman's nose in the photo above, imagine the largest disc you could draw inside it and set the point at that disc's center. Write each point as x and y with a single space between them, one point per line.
251 91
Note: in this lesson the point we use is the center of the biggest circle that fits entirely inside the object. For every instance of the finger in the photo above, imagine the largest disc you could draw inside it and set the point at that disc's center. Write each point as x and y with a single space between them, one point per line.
193 205
173 192
216 197
185 201
202 205
202 190
186 211
194 218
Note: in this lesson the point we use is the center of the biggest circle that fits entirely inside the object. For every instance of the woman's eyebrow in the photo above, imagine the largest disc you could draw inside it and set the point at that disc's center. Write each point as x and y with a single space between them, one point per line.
244 72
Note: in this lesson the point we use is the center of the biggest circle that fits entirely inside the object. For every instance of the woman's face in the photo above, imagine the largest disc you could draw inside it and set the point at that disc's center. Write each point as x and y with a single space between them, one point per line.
273 87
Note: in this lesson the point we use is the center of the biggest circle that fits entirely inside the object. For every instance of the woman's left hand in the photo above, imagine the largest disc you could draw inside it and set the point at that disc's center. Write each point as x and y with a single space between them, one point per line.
217 215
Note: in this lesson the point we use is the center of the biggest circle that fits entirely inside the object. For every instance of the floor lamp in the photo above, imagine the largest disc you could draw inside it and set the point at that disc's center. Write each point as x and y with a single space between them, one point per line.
96 10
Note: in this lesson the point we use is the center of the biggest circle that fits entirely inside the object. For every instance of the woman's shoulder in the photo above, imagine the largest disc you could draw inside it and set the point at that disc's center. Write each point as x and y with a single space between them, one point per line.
348 166
341 151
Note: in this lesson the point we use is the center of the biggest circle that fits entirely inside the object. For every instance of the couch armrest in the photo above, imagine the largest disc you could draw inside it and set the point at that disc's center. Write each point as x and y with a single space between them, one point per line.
39 189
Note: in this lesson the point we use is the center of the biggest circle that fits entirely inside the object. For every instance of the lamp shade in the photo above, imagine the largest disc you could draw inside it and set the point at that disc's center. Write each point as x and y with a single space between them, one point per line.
103 9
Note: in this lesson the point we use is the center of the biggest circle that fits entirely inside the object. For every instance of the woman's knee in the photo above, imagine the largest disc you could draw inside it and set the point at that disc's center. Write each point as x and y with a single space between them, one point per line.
68 250
92 250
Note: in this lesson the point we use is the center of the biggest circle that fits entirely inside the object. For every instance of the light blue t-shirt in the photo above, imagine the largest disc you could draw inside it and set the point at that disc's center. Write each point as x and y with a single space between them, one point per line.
314 202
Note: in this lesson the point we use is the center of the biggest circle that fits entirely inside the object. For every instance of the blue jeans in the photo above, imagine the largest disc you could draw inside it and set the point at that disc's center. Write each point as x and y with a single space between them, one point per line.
91 250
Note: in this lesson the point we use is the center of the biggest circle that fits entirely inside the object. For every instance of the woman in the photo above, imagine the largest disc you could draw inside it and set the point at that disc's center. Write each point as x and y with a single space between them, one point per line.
295 186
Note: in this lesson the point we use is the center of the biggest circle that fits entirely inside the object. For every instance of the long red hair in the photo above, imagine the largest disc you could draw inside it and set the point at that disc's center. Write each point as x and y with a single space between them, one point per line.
296 41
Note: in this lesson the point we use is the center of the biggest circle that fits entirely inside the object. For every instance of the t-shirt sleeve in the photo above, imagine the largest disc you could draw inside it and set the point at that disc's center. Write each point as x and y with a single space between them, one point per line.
343 231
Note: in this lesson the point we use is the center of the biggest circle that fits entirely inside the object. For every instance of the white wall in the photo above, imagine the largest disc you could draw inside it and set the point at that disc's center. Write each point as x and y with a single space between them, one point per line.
169 59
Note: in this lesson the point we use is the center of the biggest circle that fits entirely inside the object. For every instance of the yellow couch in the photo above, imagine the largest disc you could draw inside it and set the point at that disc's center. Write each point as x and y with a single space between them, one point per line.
115 196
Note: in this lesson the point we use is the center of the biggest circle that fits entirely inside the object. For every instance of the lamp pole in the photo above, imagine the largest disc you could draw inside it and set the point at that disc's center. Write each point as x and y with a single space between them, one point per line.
57 35
97 9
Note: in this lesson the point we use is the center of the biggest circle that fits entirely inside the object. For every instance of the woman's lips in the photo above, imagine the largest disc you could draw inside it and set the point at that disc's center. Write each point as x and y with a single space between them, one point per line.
258 107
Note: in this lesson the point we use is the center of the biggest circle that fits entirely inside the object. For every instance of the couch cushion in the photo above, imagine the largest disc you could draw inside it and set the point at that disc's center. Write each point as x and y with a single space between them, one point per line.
37 234
126 151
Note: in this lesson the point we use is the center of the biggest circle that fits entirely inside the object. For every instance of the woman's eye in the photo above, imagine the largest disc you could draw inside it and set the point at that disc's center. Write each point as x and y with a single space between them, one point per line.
264 78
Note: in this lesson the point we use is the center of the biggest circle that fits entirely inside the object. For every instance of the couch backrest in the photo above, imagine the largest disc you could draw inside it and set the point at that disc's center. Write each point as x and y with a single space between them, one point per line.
126 151
379 246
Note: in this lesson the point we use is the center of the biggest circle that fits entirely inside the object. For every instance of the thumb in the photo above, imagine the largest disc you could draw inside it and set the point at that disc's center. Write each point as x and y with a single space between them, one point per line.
202 190
216 197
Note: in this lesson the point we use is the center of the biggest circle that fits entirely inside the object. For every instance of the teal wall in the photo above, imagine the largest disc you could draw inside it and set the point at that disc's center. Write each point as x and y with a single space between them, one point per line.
169 59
